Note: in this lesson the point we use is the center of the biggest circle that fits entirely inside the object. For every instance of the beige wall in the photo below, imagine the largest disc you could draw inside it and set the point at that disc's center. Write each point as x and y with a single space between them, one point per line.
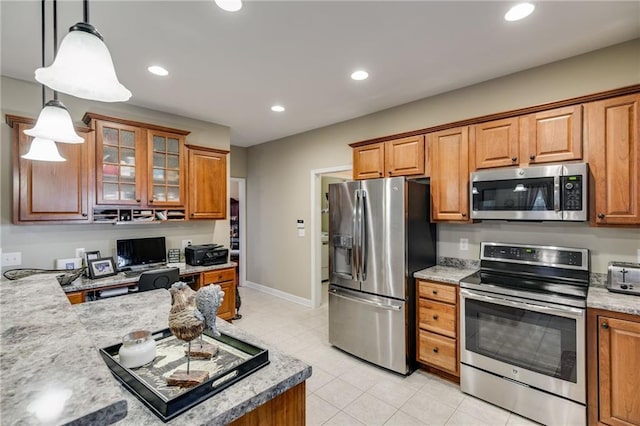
238 160
40 244
278 174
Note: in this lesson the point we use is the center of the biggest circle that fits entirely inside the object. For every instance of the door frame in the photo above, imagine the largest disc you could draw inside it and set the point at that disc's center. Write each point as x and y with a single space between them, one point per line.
316 227
242 203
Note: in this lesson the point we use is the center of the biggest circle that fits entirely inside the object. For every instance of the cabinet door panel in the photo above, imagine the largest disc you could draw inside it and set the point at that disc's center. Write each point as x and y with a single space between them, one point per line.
51 191
437 317
614 160
495 143
368 161
551 136
166 157
207 184
450 174
619 358
404 157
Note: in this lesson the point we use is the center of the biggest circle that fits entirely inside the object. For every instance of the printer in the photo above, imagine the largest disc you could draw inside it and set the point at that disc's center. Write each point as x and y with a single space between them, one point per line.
206 254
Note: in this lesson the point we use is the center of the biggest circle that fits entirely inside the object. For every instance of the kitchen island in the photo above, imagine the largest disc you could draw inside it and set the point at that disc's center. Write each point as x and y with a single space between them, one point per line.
49 353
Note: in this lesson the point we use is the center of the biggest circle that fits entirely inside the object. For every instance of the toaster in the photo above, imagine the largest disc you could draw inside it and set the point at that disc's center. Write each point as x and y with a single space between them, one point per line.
624 277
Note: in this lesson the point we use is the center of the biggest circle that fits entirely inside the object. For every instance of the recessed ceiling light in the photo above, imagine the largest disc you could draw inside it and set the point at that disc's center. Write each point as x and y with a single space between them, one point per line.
360 75
158 70
519 11
277 108
229 5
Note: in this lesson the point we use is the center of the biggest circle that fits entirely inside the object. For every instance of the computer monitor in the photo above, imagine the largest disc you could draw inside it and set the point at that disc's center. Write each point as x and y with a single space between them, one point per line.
140 253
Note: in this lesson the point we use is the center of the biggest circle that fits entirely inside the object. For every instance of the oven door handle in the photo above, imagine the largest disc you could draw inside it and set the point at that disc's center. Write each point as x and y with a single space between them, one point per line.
564 311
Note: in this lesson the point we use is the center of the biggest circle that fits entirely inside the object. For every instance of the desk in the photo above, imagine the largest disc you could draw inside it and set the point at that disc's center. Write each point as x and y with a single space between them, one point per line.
85 289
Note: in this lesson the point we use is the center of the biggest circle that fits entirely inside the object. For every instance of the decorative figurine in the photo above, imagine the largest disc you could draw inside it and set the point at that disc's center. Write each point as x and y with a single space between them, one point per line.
192 312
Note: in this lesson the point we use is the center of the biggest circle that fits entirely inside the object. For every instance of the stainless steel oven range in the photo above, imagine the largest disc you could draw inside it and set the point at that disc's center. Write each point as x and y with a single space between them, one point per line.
522 331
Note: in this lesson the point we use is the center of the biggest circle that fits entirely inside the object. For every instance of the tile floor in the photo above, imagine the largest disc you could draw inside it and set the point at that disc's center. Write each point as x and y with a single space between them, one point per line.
346 391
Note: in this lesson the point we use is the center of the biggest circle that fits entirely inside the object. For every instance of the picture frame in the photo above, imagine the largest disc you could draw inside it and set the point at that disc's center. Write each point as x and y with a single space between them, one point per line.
101 267
91 255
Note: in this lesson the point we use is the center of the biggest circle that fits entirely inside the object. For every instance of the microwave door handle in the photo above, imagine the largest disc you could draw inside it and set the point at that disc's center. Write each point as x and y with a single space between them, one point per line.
363 236
556 193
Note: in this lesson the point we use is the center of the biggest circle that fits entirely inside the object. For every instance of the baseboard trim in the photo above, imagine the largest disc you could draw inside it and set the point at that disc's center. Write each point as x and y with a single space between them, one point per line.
278 293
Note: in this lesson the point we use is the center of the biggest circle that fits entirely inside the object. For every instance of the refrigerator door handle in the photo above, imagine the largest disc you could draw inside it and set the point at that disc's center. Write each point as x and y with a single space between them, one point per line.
363 236
355 256
367 302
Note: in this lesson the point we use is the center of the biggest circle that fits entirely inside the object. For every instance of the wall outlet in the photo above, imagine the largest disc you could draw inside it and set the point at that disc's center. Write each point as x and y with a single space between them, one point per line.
186 243
464 244
80 252
12 259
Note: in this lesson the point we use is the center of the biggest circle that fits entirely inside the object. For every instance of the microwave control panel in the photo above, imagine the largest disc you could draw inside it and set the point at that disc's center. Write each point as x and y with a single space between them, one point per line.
572 192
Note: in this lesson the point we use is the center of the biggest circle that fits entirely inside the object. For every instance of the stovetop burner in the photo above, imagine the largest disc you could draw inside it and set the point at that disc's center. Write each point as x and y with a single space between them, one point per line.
551 274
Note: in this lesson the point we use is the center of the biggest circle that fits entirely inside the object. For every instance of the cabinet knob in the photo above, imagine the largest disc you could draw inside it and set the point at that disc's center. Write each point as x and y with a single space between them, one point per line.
464 215
379 173
435 291
600 215
604 325
435 350
84 215
514 159
532 157
435 317
192 214
138 200
151 200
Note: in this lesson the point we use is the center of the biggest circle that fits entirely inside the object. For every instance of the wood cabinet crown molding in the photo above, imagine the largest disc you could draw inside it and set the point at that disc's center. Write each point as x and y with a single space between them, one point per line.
508 114
93 116
206 148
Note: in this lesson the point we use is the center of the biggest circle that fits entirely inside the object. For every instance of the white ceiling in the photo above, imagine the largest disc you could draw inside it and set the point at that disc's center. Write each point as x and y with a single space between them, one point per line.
229 68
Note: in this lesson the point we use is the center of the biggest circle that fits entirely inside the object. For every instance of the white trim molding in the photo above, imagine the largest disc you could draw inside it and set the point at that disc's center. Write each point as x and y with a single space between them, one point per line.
278 293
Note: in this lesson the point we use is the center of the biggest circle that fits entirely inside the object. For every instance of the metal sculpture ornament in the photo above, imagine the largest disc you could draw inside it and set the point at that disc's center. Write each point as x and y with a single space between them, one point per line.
191 313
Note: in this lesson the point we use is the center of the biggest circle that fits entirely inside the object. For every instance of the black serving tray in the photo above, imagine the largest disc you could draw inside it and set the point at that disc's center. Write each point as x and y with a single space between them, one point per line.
235 360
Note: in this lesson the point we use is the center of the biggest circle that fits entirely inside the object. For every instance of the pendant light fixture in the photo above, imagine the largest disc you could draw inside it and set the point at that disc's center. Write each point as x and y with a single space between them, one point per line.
54 122
43 149
83 66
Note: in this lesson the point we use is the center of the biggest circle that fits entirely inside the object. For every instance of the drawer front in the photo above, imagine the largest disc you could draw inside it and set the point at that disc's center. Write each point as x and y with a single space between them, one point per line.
435 291
218 276
438 351
76 297
437 317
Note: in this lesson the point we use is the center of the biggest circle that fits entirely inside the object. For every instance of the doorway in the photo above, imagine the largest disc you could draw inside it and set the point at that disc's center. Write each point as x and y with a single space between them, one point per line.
320 180
238 226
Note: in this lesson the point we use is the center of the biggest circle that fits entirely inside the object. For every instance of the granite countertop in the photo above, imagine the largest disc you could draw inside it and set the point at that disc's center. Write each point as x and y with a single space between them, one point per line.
49 355
50 370
83 283
449 270
601 298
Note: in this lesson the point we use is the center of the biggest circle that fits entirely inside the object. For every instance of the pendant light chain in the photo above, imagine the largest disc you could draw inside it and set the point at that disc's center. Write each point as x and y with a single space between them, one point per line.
86 11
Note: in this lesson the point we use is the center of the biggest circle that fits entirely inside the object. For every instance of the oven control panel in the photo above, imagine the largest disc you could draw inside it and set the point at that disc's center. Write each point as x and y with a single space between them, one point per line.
538 255
624 277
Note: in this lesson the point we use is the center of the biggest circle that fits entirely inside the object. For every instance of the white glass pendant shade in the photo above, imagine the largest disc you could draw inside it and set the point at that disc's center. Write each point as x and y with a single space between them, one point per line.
83 68
54 123
43 150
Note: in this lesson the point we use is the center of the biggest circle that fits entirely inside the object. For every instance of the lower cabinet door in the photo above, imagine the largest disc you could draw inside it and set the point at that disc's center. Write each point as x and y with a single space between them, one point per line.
228 308
438 351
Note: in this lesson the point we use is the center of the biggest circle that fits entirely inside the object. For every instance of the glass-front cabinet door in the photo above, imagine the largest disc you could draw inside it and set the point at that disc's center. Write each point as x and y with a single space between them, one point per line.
119 172
166 159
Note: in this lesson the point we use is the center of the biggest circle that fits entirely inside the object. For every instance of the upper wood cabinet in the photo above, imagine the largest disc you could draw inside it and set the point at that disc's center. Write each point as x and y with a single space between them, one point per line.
494 144
138 164
449 150
613 357
543 137
207 183
551 136
613 146
398 157
50 191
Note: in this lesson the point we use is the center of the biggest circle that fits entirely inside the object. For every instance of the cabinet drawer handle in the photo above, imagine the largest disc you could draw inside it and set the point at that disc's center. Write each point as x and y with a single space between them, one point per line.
435 317
532 157
138 200
435 291
604 325
435 350
514 159
464 215
600 215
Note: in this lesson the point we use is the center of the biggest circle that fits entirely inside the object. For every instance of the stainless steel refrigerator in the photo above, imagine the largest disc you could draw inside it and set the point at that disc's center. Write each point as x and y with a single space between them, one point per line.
379 235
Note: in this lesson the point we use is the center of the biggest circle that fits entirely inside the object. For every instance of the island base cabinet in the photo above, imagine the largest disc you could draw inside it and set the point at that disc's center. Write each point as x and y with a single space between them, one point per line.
613 368
287 409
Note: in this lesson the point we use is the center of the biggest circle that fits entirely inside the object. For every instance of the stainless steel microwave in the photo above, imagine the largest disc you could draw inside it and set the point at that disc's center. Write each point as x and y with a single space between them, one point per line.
553 192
